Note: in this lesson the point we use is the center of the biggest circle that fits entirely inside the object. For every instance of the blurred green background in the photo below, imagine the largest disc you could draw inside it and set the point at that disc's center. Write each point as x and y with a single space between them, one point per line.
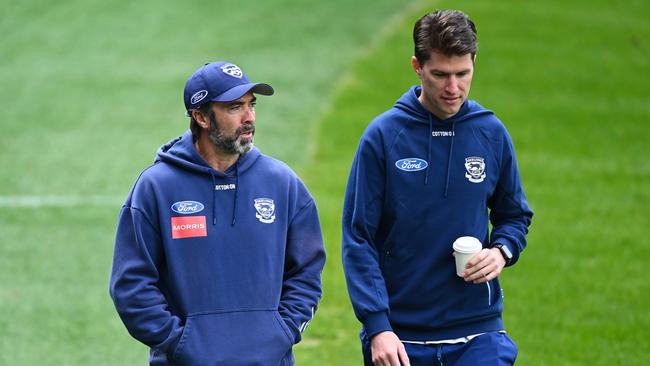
90 89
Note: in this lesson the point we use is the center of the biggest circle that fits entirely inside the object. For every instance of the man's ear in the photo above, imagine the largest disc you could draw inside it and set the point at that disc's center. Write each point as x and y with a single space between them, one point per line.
200 118
416 66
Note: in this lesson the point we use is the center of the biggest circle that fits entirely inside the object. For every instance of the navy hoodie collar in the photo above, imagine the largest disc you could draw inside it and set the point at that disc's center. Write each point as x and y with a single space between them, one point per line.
181 152
410 104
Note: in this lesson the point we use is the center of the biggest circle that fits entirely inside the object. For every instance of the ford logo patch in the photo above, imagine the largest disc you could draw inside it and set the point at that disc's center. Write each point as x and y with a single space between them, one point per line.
198 96
411 164
187 207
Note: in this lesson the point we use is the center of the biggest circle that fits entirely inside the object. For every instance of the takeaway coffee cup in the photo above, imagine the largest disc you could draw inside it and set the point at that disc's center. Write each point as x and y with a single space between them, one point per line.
465 247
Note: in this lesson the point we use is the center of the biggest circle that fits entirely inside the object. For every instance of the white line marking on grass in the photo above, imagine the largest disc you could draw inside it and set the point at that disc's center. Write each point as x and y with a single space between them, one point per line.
60 201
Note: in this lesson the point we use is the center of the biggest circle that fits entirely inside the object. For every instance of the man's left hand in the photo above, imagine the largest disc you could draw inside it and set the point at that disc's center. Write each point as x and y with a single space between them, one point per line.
484 266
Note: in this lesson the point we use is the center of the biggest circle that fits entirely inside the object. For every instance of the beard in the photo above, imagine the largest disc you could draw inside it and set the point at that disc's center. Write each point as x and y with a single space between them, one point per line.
231 144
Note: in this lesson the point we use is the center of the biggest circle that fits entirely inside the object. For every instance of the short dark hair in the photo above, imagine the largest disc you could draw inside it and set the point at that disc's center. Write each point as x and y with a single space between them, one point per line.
449 32
206 110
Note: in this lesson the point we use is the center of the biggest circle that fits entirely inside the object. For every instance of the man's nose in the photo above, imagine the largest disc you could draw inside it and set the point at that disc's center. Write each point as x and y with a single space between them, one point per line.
249 115
452 85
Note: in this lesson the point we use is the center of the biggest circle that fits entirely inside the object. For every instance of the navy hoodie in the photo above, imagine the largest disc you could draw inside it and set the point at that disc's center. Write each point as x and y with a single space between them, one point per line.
216 268
416 184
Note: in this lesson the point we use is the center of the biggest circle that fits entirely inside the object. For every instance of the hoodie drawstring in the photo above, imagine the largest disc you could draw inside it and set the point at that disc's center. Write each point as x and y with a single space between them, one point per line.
214 199
426 175
451 151
234 205
214 195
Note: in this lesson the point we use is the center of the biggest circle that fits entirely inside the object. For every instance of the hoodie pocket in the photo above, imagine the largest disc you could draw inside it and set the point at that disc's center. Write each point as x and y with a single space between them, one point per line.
233 338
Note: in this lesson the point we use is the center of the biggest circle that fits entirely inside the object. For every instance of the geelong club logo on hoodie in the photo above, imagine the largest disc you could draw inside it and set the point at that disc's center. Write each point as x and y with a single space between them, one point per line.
265 208
475 167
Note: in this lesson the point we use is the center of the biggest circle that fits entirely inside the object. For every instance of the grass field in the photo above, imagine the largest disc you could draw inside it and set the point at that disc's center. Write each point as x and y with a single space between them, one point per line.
90 89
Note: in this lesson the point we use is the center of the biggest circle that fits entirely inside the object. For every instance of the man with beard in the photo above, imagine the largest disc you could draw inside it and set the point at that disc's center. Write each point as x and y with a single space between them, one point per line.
218 253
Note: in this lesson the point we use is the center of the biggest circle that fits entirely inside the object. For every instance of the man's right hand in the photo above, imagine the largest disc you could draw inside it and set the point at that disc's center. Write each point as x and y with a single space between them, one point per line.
387 350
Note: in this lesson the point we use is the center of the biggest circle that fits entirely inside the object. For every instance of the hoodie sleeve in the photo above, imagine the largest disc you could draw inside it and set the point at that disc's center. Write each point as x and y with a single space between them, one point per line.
139 302
364 200
510 214
304 261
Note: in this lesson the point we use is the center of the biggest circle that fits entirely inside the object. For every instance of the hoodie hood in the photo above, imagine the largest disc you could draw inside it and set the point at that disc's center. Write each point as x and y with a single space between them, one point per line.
182 153
410 104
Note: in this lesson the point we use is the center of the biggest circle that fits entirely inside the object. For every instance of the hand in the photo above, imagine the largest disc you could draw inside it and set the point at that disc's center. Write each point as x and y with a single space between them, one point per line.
387 350
484 266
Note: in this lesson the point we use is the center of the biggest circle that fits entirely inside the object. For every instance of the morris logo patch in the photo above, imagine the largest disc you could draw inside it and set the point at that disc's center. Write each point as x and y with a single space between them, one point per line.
411 164
188 227
187 207
265 210
475 167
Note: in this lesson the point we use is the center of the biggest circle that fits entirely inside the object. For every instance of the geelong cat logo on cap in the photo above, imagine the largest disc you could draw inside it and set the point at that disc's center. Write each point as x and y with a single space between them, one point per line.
232 70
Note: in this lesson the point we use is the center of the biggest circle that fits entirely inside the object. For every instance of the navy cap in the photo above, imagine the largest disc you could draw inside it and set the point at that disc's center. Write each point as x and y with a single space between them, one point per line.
219 82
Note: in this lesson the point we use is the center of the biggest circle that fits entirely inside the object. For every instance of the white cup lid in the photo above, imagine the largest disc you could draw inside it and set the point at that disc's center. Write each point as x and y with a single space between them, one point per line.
467 244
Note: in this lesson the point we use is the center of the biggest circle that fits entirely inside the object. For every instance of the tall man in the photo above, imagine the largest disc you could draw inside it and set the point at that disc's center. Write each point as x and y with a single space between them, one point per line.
219 253
433 168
